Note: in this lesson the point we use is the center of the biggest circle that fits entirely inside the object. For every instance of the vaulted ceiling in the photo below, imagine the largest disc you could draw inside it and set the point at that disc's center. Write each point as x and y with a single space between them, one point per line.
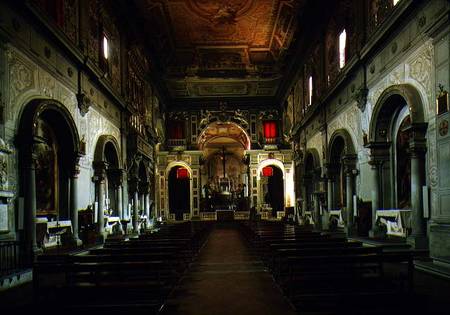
216 49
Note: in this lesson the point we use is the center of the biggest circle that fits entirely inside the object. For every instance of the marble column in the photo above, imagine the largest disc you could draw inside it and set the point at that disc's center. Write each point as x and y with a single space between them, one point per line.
119 202
330 197
30 204
349 201
418 236
101 206
147 206
136 212
375 194
142 203
317 218
74 204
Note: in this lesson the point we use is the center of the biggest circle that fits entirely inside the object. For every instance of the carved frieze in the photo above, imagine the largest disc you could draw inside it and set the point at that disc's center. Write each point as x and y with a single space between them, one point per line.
5 151
421 69
47 84
21 78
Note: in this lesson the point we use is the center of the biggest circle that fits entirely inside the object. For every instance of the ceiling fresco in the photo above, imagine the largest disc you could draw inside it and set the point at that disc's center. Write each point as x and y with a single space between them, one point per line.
217 48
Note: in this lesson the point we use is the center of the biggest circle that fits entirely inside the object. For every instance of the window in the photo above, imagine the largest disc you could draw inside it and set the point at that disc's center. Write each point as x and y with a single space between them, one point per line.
342 44
105 47
310 89
270 129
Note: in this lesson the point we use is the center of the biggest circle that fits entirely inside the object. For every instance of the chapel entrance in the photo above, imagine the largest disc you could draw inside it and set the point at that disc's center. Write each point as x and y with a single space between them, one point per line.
179 191
274 188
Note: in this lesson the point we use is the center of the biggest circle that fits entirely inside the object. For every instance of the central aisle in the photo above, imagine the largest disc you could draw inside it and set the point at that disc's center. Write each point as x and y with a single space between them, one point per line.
227 279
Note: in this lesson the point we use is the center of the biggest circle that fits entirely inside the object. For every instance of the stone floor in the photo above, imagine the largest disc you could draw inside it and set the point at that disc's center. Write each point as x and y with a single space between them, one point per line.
227 279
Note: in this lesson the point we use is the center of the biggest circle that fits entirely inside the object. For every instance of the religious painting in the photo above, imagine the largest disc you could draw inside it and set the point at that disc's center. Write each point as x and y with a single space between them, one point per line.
46 152
442 102
403 166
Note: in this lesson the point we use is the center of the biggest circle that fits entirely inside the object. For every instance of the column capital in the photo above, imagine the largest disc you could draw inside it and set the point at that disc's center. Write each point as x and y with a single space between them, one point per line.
99 171
349 162
76 166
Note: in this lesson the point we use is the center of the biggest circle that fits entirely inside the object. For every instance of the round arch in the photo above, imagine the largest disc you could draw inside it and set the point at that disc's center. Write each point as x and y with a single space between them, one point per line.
48 151
312 154
178 163
242 137
269 162
396 93
33 110
341 134
100 148
167 173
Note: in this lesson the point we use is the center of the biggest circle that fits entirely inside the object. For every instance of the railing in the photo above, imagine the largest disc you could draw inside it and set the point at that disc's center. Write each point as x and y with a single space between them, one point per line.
272 140
176 142
11 258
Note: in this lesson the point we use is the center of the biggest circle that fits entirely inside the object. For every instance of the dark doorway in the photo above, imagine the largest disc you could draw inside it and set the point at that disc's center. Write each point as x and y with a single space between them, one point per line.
275 190
309 179
403 166
337 152
54 154
179 194
112 160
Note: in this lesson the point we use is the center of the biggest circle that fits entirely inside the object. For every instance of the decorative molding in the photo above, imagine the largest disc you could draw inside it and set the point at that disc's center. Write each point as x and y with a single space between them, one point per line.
223 115
361 98
84 103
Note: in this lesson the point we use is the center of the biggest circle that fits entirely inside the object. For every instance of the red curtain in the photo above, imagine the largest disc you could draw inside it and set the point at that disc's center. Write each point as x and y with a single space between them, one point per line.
176 129
182 173
270 129
267 171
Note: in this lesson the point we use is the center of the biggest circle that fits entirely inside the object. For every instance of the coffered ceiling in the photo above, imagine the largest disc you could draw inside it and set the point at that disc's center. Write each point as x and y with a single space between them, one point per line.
208 49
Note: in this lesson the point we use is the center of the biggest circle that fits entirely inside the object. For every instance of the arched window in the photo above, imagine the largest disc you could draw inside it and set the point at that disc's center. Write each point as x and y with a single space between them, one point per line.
310 90
342 46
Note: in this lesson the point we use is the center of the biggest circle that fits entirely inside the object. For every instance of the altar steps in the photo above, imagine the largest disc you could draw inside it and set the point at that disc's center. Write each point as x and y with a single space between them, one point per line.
439 266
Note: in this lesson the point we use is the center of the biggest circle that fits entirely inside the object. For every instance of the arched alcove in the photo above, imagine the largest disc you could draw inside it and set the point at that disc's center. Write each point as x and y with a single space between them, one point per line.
107 161
398 153
179 191
48 145
341 160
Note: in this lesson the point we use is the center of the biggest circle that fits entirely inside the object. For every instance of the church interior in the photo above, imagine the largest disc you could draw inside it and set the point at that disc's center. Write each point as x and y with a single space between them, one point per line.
225 156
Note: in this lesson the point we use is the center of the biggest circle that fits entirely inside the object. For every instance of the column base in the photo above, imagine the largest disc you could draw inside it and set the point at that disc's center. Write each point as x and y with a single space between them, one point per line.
318 226
101 237
75 241
349 230
418 241
377 233
37 250
325 220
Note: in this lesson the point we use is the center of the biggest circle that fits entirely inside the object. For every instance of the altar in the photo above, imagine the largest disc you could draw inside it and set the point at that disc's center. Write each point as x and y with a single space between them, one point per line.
50 233
336 215
225 215
397 221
